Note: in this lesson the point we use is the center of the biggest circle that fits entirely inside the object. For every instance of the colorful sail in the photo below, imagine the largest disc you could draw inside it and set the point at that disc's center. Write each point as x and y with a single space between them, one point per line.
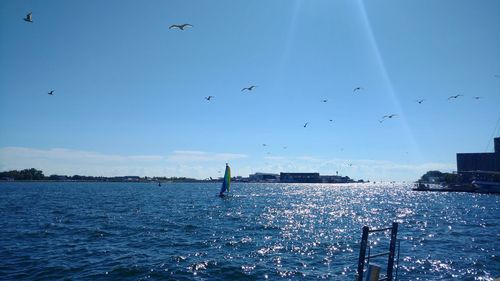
227 180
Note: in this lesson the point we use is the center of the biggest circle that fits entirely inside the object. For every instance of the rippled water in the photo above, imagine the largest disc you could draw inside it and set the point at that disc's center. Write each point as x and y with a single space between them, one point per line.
118 231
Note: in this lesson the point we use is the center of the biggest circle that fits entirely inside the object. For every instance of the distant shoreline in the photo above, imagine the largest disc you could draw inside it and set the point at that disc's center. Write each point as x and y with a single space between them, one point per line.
109 181
32 174
168 181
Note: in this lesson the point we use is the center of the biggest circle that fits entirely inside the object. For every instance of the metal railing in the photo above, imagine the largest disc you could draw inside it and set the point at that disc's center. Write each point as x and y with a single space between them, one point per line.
392 249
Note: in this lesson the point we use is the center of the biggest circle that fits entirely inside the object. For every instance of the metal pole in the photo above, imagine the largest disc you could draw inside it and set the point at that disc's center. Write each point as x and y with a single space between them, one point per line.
397 260
362 252
392 249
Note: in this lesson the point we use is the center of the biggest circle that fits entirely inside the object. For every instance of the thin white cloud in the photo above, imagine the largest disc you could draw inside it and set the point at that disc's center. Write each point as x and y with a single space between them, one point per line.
197 164
278 158
200 164
201 156
356 169
310 159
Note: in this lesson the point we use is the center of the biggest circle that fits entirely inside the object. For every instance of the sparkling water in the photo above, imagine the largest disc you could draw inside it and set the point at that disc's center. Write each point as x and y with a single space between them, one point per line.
139 231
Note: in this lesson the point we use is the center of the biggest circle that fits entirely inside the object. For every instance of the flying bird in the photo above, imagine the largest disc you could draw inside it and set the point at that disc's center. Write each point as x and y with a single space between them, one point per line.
305 125
357 89
455 97
209 98
331 120
180 26
477 98
420 101
387 116
285 147
497 76
264 144
28 17
324 100
248 88
51 93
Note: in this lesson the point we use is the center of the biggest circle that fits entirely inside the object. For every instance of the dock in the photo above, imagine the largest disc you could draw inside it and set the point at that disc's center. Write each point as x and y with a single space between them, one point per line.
469 188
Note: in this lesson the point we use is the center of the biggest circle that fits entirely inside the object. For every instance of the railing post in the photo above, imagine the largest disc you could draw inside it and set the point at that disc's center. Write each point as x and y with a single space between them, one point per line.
392 250
362 252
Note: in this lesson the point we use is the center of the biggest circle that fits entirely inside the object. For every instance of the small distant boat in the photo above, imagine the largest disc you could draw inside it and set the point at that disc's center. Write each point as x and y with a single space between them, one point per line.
487 186
226 182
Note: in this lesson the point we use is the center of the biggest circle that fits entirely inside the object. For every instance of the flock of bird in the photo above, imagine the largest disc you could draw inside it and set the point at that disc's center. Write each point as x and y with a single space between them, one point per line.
385 117
182 27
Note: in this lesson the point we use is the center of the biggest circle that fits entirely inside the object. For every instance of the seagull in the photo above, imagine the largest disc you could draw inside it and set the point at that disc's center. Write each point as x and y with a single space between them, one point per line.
305 125
180 26
28 17
455 97
387 116
324 100
248 88
209 98
331 120
51 93
420 101
357 89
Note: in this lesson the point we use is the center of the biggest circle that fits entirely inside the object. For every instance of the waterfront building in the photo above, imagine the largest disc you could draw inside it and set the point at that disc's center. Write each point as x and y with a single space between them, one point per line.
479 166
264 177
335 179
300 177
486 162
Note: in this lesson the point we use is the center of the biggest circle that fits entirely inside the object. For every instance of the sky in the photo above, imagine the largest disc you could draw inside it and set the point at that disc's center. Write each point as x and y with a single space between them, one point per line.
129 93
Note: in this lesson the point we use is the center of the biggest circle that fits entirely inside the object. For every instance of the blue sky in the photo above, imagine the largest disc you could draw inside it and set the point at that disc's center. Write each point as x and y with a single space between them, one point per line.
129 91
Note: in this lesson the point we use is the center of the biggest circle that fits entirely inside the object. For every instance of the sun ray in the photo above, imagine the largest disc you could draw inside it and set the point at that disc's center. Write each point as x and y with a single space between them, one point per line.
387 80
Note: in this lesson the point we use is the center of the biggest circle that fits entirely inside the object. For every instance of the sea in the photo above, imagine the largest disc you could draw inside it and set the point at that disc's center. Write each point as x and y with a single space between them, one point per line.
268 231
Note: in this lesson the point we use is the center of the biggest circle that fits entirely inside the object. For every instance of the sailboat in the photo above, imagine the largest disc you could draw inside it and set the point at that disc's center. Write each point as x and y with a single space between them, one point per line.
226 182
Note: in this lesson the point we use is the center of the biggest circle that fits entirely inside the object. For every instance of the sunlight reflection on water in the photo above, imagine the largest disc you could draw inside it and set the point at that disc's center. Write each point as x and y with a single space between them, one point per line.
290 231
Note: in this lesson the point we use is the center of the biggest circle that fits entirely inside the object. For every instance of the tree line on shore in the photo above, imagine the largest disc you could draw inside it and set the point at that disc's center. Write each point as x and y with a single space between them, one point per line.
37 175
438 177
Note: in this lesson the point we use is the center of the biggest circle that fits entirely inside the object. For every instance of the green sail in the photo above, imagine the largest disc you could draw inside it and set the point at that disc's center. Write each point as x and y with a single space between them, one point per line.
226 183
